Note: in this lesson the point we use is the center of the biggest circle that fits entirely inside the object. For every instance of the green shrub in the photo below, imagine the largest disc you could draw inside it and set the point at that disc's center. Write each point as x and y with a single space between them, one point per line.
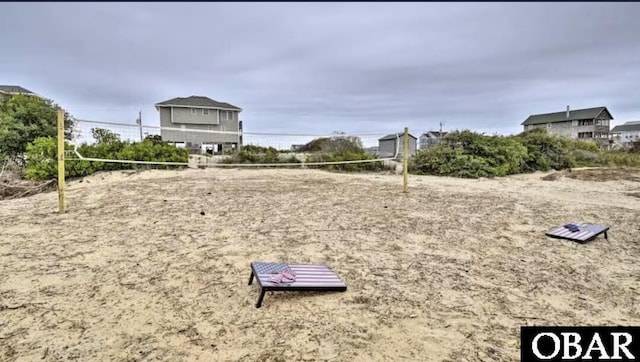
545 151
150 150
24 118
353 155
445 160
620 158
42 162
258 154
340 148
469 154
339 143
584 158
329 149
315 145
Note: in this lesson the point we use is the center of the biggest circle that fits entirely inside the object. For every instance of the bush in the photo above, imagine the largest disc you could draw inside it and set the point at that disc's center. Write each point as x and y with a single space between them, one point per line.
24 118
620 158
149 150
258 154
545 151
42 157
584 158
42 161
338 143
444 160
342 148
354 155
469 154
315 145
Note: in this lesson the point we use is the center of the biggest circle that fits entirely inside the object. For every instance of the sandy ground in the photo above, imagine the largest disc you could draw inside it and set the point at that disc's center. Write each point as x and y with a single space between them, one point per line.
448 272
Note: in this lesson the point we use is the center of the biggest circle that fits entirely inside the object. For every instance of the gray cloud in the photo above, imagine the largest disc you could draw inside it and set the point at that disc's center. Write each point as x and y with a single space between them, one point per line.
313 67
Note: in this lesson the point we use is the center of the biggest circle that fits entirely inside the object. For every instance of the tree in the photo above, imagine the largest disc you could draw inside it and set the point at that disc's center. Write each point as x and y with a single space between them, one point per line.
154 138
339 142
24 118
103 135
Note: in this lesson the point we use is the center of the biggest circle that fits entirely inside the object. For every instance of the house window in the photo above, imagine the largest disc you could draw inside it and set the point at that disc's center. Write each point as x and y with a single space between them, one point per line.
210 128
205 111
585 134
194 111
585 122
225 115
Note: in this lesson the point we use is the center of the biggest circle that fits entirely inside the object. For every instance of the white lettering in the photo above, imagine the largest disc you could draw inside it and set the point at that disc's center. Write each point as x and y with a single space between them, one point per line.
600 348
556 344
568 344
617 347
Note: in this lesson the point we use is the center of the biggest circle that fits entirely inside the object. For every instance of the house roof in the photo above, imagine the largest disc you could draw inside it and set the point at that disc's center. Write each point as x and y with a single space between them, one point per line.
197 101
587 113
15 89
629 126
394 136
435 133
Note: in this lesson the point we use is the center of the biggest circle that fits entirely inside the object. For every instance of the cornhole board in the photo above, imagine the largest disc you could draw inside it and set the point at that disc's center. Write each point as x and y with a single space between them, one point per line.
587 232
309 277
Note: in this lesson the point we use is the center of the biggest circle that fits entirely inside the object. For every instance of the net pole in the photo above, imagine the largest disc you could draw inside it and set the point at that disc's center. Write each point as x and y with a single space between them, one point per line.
61 161
405 160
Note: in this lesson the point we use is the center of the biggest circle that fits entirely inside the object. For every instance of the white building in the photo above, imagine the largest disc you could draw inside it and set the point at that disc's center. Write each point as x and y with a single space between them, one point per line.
626 133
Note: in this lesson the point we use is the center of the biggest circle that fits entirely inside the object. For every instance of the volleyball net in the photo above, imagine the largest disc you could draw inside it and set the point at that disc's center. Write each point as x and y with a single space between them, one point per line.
214 146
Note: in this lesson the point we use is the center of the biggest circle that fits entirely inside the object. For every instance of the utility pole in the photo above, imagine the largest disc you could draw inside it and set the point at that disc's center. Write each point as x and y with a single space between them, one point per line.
139 122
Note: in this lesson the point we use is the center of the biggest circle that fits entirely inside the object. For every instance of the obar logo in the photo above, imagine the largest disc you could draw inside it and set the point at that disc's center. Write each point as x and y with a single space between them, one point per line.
579 344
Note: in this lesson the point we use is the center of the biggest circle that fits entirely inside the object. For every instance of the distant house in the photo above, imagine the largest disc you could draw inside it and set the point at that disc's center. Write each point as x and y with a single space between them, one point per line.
430 138
626 133
184 120
373 150
392 145
7 90
590 124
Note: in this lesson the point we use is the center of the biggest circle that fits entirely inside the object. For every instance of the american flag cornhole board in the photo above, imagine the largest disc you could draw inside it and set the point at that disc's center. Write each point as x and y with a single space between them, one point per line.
586 232
309 277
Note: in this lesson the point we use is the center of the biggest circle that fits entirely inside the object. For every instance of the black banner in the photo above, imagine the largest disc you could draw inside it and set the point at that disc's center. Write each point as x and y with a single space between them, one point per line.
579 344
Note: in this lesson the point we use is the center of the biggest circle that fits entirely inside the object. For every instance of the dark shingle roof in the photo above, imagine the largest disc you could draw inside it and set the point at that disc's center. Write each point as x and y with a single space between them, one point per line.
587 113
197 101
14 89
436 133
394 136
629 126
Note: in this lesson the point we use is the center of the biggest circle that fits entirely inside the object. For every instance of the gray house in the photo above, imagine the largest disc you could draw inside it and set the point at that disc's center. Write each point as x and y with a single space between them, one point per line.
430 138
390 144
7 90
590 124
626 133
193 122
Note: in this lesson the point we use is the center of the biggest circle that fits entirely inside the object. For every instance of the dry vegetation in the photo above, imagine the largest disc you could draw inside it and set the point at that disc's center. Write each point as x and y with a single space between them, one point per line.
12 186
598 174
135 272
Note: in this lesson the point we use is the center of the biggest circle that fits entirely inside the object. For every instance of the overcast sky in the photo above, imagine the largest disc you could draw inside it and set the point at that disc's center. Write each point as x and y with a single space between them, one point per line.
322 67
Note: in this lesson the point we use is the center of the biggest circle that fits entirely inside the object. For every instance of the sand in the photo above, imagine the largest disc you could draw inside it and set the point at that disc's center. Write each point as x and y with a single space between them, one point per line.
448 272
